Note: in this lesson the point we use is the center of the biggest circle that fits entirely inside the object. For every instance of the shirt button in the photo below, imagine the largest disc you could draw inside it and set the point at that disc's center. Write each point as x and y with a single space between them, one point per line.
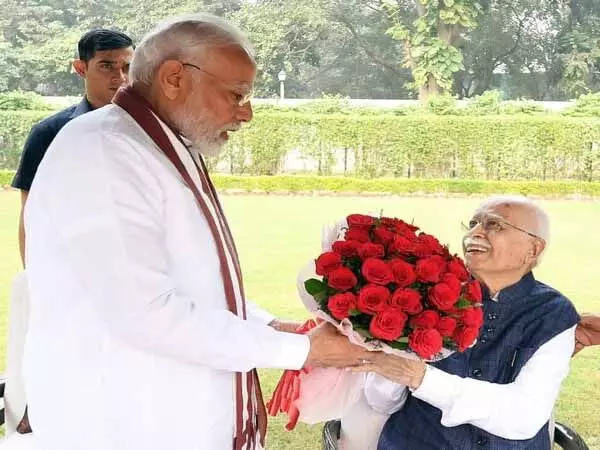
476 373
492 316
490 330
482 440
482 340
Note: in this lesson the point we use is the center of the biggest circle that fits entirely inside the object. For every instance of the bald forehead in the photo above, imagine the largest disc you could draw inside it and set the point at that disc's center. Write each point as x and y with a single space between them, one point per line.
517 213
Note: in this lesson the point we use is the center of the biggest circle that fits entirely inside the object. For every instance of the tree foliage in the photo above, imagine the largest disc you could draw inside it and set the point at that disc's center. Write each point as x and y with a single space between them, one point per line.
358 48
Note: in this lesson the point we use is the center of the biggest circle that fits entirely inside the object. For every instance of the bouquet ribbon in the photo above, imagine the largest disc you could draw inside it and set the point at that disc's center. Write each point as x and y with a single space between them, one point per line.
288 389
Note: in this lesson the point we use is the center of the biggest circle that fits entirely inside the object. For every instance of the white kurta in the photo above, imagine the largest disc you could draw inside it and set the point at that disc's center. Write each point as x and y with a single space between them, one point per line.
130 343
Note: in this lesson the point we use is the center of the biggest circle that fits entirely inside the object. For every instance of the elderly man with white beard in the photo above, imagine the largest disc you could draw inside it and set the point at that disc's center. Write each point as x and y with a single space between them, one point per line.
498 394
140 335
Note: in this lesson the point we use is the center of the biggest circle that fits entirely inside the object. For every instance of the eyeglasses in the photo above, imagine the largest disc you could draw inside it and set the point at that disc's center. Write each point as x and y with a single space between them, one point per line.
238 98
495 225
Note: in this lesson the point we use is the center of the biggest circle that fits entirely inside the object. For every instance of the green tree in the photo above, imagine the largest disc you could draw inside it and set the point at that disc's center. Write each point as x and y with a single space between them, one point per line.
430 41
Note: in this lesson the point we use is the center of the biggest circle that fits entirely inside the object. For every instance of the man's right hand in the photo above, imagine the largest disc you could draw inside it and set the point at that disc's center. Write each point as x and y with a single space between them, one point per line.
587 332
328 348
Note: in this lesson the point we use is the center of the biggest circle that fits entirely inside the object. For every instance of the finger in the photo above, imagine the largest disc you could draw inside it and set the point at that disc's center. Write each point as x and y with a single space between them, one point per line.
363 365
362 368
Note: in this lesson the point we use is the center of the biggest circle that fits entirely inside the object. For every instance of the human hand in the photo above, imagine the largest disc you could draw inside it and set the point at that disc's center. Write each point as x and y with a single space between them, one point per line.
328 348
400 370
587 332
287 326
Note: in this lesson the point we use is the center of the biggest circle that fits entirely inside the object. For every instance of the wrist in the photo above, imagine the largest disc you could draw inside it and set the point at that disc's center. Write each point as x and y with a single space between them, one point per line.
420 368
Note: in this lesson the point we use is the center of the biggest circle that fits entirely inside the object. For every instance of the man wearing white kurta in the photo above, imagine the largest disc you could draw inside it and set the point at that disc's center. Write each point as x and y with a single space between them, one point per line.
131 344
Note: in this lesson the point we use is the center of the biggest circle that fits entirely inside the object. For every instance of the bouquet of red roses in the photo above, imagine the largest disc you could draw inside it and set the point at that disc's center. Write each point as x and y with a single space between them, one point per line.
388 286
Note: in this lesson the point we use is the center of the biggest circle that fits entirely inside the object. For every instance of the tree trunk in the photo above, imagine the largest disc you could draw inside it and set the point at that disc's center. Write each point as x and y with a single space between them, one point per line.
430 89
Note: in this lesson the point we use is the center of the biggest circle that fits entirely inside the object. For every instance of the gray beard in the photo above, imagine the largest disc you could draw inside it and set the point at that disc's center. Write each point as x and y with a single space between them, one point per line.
205 148
196 131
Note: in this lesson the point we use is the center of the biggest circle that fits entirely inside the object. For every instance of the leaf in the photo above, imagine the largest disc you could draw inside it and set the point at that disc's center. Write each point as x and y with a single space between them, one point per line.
365 333
398 345
463 303
314 286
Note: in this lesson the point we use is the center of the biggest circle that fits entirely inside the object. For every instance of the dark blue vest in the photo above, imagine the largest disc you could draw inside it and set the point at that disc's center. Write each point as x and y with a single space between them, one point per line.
526 315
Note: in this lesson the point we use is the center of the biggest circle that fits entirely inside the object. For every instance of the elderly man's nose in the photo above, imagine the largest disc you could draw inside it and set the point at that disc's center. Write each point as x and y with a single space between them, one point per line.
478 230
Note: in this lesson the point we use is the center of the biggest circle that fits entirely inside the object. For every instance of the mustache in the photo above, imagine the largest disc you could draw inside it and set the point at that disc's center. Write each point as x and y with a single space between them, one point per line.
231 127
469 241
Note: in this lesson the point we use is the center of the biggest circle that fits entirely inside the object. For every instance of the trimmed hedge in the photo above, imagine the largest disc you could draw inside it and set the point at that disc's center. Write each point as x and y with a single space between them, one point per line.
382 186
516 147
14 128
300 183
6 177
501 147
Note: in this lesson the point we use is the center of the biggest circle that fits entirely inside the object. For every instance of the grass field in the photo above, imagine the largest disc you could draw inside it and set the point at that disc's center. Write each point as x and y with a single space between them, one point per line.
277 235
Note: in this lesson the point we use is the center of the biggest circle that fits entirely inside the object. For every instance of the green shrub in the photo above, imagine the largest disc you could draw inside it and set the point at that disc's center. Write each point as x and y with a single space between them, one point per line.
6 177
295 183
15 128
20 100
518 147
521 107
490 147
382 186
587 105
442 105
487 103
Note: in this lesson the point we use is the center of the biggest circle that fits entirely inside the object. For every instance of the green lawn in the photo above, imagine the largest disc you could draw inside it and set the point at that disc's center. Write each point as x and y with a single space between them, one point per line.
277 235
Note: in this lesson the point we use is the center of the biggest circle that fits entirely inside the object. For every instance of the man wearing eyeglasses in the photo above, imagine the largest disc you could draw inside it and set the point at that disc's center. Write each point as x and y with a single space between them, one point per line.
141 336
499 394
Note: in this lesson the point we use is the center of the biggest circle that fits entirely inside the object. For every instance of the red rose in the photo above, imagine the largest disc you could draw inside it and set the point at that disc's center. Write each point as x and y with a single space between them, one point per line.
425 342
471 317
429 270
327 262
403 245
443 296
357 234
383 235
473 291
404 273
388 222
446 326
407 300
360 221
430 243
372 299
388 324
464 337
400 226
370 250
342 279
452 280
347 249
457 267
427 319
377 271
341 304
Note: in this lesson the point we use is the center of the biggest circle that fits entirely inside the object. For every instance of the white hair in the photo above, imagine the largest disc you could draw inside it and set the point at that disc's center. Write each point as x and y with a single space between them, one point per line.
542 222
184 38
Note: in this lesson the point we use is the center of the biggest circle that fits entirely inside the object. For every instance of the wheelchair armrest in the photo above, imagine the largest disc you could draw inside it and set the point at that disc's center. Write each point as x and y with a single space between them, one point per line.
2 386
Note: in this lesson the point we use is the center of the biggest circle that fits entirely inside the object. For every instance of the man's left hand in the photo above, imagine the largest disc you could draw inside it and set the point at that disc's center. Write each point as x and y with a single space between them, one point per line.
400 370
